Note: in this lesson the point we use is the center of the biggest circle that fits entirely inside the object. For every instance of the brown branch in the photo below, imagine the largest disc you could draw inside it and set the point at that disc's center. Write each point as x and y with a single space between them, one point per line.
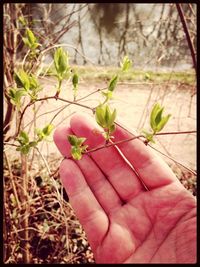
46 98
25 198
12 181
190 170
132 138
185 28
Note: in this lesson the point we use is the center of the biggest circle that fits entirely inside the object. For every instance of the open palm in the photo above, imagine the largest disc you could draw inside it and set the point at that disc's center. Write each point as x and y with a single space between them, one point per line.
131 205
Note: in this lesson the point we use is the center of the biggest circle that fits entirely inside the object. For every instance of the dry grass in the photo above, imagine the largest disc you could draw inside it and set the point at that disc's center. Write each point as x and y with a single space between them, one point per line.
55 234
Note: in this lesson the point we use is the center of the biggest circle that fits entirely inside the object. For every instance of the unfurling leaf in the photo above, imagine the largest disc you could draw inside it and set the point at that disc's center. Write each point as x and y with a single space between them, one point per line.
31 37
61 62
113 83
30 40
77 147
157 122
76 153
159 116
72 139
23 138
126 64
16 95
75 80
22 79
163 122
106 118
48 129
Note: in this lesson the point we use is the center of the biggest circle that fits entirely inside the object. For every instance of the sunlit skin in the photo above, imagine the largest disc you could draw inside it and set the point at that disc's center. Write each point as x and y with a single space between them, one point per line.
125 222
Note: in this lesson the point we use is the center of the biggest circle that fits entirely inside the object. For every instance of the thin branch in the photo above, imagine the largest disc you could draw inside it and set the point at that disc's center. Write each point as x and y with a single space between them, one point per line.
185 28
46 98
133 138
12 182
190 170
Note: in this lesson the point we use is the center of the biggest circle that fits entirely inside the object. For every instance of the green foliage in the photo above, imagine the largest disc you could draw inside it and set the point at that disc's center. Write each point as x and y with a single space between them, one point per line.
23 21
16 95
22 79
61 62
27 84
30 40
24 142
113 83
106 118
45 132
75 79
77 147
126 64
157 121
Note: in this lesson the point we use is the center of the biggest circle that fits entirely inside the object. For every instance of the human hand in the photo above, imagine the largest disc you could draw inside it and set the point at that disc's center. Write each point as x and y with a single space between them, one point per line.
124 222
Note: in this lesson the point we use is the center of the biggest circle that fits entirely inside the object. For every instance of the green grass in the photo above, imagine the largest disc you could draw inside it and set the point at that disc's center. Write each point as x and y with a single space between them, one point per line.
91 73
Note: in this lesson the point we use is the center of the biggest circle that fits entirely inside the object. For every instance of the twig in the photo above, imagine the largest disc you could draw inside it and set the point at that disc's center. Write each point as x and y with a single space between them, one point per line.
185 28
94 92
12 182
190 170
46 98
132 138
25 197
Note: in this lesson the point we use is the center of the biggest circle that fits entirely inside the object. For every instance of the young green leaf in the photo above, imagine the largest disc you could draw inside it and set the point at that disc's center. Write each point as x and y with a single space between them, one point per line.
80 140
75 80
77 147
40 134
113 83
34 84
30 40
61 62
100 114
25 149
22 79
72 139
112 117
105 118
15 96
163 122
126 64
22 20
153 115
76 153
23 138
159 116
31 37
48 129
107 115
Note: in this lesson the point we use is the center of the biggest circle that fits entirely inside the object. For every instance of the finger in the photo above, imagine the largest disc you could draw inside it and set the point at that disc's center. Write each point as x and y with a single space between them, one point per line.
84 203
100 186
153 171
119 173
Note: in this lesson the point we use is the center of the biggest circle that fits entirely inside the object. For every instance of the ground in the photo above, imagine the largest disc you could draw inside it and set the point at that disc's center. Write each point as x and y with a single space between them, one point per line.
55 235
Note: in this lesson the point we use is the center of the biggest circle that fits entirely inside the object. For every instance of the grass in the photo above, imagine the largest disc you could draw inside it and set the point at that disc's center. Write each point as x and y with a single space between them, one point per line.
97 73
